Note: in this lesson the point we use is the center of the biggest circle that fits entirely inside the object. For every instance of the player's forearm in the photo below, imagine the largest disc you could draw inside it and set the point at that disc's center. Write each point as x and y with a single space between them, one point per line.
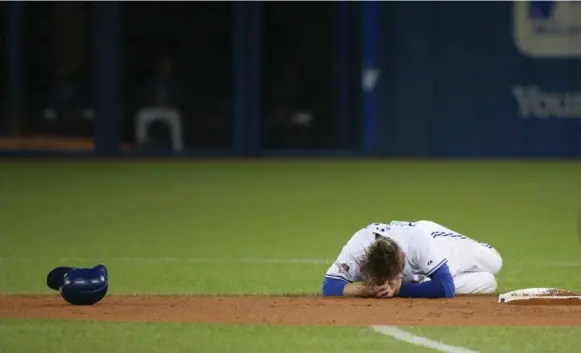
356 290
430 289
338 288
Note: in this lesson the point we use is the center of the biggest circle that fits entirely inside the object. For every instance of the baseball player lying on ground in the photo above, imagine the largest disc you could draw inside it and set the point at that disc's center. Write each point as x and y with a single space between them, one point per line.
420 259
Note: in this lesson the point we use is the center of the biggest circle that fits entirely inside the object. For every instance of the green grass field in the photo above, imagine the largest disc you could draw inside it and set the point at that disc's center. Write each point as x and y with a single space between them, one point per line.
272 227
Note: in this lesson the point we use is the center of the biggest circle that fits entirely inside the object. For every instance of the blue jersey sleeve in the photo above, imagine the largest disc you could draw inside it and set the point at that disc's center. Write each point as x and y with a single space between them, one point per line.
333 287
441 285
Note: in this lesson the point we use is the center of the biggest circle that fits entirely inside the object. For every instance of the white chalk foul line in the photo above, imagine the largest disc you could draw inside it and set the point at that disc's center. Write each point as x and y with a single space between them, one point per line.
420 341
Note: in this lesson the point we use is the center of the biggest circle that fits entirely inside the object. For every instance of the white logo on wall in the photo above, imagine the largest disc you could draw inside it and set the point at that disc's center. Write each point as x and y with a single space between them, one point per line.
535 103
547 28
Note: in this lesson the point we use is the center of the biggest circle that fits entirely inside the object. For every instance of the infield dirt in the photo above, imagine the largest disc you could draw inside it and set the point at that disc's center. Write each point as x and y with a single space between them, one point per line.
297 310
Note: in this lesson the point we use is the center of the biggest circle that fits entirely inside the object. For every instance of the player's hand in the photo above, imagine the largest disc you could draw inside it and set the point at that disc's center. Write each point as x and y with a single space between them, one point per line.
385 291
375 291
395 284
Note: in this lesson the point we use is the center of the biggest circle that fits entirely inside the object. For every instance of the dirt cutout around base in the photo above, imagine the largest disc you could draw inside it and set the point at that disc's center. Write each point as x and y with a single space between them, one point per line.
547 301
460 311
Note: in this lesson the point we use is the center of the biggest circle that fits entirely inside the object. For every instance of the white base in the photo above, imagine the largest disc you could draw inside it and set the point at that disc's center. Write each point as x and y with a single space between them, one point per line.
502 299
537 293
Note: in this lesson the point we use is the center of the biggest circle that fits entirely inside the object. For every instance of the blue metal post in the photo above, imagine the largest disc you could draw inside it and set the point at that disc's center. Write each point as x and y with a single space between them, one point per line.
247 80
107 36
238 79
370 74
15 43
343 26
255 38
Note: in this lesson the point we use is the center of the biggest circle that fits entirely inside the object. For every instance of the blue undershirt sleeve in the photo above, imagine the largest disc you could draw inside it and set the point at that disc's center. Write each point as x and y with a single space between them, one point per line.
333 287
441 285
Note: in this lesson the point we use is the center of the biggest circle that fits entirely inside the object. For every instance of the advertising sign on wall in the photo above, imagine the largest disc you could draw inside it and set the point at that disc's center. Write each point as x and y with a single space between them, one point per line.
490 79
548 28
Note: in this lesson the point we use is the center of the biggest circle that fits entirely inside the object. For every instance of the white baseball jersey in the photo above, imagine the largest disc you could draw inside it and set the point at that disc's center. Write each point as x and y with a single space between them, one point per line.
427 246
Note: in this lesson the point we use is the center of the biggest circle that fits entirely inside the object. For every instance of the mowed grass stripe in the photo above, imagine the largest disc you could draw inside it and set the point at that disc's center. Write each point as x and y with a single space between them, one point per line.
507 339
67 337
257 261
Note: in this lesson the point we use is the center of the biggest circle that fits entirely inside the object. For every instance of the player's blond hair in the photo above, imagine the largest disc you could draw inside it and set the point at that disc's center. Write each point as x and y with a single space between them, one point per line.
383 261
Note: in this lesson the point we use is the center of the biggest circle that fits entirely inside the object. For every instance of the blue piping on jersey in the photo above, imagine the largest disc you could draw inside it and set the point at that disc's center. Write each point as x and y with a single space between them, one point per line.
435 268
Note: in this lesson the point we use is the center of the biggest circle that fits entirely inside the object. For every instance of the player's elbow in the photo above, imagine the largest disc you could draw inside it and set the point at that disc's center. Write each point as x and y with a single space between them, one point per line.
444 278
333 287
449 288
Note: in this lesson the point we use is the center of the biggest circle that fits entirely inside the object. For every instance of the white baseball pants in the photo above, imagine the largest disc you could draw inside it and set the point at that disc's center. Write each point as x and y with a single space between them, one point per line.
473 265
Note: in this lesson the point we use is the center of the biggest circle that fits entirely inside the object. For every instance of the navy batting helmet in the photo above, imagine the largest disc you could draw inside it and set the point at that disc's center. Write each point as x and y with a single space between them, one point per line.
80 286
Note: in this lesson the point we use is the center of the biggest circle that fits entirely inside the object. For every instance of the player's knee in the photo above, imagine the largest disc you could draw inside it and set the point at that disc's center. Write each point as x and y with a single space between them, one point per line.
487 283
497 263
475 283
